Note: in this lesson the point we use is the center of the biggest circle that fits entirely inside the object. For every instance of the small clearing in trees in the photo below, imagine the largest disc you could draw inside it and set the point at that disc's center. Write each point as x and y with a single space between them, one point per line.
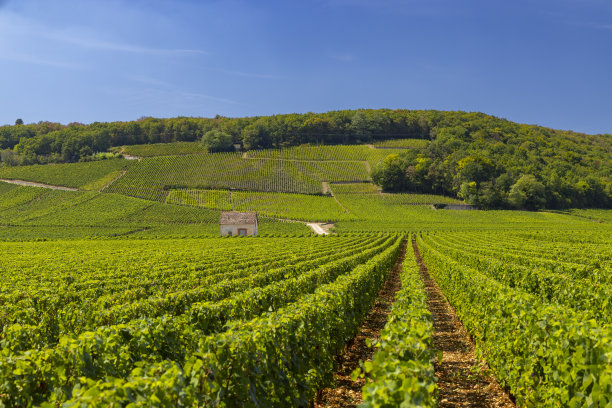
462 380
347 392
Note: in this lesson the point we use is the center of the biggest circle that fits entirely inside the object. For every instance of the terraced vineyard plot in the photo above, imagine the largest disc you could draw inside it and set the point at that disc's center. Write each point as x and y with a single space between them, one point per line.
393 198
74 175
151 178
158 213
596 215
355 188
15 196
95 209
40 202
5 188
267 228
217 199
314 153
394 213
76 313
163 149
37 233
403 143
280 205
360 153
540 323
35 213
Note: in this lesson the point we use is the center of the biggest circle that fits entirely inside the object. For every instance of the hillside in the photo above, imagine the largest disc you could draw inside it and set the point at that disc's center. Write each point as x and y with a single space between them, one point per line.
474 156
182 194
121 291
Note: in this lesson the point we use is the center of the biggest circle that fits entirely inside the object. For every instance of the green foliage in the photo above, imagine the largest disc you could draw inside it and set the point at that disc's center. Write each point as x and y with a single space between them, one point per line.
148 329
217 141
355 188
402 144
286 355
217 199
527 193
536 346
255 136
401 373
390 174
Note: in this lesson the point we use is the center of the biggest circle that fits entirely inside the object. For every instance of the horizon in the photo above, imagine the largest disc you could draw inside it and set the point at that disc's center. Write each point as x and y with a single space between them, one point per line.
545 63
304 113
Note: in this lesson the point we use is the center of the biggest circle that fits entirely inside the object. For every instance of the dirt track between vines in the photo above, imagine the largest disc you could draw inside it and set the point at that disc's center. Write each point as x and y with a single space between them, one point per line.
462 380
347 392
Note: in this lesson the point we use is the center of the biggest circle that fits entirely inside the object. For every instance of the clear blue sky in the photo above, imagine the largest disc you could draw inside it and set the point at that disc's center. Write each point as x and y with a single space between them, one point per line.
546 62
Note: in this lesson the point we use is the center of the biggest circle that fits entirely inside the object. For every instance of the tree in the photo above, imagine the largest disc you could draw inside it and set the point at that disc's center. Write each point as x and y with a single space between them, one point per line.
19 121
528 193
361 127
217 141
475 168
390 174
255 136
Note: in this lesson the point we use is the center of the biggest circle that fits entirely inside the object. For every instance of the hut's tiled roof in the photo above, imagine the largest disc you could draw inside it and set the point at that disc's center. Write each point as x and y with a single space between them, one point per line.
234 218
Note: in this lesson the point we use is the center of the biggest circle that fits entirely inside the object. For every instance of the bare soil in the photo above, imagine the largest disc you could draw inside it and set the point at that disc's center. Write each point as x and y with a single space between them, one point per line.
347 392
34 184
462 380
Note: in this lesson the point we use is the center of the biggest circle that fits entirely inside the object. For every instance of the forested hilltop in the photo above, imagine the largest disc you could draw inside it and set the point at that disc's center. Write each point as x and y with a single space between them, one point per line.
490 162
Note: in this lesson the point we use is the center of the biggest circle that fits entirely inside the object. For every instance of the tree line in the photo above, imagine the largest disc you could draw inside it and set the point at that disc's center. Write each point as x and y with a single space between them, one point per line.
46 142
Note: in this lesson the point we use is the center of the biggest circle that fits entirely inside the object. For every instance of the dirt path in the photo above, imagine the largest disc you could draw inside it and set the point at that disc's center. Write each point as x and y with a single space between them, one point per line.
367 166
348 392
34 184
128 156
113 180
320 228
462 380
335 198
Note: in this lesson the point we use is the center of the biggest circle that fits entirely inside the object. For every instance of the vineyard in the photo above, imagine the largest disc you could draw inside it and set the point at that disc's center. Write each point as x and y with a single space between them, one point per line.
182 315
31 212
78 175
538 308
279 205
151 178
162 149
122 292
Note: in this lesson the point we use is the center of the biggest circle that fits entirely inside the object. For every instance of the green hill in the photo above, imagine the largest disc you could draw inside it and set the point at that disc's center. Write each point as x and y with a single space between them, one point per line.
488 161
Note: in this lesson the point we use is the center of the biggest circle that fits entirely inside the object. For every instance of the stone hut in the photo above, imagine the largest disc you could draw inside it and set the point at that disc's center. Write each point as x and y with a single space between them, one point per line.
238 223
